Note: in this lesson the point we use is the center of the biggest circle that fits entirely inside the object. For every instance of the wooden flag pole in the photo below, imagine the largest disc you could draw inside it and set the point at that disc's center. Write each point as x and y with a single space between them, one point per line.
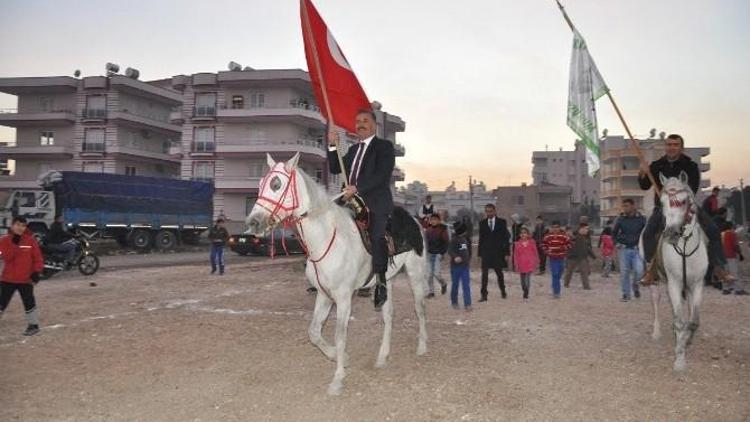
633 143
327 104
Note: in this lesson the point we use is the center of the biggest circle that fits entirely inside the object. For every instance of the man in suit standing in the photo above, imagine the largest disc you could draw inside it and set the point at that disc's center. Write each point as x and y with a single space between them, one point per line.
369 165
494 248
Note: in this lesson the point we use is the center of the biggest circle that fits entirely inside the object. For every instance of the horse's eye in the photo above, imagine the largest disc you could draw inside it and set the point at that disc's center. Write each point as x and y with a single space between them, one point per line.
275 183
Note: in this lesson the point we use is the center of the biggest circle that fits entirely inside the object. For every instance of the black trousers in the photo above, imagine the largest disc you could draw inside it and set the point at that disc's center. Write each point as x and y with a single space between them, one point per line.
378 223
25 290
655 225
485 277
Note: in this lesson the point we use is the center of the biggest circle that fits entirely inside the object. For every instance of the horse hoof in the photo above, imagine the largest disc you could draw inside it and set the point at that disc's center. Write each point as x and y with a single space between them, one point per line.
679 366
422 349
656 335
381 363
335 389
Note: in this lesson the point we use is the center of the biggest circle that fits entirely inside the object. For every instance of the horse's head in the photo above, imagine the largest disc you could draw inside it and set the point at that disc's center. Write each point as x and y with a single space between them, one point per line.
677 202
280 196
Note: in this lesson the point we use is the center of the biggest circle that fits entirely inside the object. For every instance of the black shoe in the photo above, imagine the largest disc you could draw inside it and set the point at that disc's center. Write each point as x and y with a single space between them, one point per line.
726 292
381 295
637 294
484 299
503 295
443 288
625 298
31 330
741 293
213 272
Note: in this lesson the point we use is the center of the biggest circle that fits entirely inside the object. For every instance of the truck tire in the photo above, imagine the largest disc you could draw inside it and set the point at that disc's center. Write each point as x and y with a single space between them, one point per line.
165 240
140 240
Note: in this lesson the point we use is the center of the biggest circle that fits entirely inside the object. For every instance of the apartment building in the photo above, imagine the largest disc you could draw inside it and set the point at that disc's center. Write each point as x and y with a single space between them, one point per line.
552 202
207 126
112 124
566 168
620 167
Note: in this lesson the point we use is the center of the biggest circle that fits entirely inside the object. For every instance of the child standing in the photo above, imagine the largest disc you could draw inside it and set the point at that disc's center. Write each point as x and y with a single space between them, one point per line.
525 259
733 253
608 250
556 245
460 254
218 236
23 262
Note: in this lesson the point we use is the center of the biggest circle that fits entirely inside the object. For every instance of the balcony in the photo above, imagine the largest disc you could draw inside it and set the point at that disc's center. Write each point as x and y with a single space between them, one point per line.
238 148
175 117
14 182
399 149
704 166
395 123
236 184
293 112
611 173
398 174
146 121
202 149
15 118
38 85
94 114
32 149
204 113
92 149
149 150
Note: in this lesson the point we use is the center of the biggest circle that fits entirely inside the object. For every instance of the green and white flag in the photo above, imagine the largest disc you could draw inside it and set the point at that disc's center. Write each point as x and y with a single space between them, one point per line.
586 86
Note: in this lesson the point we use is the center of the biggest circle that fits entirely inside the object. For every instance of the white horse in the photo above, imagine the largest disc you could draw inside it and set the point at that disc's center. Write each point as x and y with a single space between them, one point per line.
337 262
684 256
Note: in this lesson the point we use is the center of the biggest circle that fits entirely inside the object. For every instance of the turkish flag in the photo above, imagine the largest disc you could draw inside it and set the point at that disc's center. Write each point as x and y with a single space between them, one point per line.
333 79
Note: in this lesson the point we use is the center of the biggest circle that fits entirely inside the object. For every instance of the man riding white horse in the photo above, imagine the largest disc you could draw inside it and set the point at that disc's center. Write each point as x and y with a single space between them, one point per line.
369 164
671 165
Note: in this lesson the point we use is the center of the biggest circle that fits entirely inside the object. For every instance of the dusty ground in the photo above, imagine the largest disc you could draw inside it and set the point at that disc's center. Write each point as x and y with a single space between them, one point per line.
175 344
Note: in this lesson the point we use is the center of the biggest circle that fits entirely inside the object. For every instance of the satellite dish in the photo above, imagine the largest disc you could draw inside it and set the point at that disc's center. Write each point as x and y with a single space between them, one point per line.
77 73
234 66
376 105
132 73
652 133
248 68
662 135
112 68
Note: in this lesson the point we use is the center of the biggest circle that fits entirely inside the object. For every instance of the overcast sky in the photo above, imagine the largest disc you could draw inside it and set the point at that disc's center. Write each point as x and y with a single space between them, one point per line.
481 84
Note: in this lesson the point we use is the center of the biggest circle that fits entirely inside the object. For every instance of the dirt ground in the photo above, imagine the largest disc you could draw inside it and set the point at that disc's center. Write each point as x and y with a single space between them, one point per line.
176 344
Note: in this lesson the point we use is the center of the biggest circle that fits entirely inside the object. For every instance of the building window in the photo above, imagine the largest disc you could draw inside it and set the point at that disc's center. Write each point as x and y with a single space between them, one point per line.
205 104
96 107
93 167
93 140
519 200
258 170
257 99
130 170
204 139
46 138
238 101
203 170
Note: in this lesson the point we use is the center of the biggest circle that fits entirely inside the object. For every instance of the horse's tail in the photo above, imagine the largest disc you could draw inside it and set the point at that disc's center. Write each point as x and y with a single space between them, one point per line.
406 227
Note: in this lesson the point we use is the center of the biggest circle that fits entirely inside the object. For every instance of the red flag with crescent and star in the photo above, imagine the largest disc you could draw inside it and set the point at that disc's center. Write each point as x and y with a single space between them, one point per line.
335 85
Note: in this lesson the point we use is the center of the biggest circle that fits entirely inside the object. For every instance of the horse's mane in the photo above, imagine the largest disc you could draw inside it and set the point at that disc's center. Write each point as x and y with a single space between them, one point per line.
319 200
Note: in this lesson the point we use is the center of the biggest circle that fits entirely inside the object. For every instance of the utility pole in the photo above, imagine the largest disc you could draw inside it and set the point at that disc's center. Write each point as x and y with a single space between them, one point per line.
471 199
742 202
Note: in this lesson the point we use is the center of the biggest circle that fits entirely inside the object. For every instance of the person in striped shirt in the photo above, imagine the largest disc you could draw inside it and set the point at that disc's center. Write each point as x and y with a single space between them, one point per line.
556 245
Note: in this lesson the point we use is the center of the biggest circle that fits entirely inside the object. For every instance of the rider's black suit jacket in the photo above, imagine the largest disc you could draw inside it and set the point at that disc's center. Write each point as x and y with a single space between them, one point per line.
376 170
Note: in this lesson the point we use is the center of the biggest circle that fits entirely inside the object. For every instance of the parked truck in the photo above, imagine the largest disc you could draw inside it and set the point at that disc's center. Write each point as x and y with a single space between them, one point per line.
138 212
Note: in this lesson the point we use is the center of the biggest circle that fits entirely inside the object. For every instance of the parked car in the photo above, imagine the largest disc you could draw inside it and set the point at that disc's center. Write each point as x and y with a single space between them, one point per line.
245 244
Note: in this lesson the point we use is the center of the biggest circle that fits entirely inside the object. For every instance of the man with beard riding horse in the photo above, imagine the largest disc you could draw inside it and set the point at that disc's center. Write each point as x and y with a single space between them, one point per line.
369 165
672 164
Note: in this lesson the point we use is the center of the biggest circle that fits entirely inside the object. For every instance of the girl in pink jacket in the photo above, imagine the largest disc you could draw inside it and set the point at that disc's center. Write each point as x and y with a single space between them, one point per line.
525 259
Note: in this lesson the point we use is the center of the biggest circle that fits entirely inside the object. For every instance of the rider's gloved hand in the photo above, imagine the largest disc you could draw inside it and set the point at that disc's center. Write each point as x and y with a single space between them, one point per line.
35 277
16 239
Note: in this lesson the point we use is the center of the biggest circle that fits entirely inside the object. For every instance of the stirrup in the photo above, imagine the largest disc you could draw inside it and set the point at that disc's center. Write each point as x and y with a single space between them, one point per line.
649 278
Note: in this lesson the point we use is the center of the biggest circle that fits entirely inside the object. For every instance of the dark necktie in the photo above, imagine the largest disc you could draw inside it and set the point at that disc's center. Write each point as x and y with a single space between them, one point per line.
357 162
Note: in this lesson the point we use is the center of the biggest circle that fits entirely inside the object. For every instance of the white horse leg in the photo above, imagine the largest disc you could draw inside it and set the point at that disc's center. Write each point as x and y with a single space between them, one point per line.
655 300
679 324
322 309
695 297
343 312
385 345
416 268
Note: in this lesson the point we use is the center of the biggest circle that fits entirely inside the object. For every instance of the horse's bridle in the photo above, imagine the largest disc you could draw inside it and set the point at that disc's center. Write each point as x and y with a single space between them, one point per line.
677 203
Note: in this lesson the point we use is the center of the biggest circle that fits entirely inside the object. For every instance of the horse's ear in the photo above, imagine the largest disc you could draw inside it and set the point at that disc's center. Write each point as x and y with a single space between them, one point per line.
292 163
663 179
683 178
270 161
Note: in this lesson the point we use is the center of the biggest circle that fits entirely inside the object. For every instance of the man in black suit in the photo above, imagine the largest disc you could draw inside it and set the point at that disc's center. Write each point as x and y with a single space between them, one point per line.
494 247
369 166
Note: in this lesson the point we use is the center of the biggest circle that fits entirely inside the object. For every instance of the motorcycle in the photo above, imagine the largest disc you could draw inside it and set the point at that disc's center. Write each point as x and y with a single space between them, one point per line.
56 261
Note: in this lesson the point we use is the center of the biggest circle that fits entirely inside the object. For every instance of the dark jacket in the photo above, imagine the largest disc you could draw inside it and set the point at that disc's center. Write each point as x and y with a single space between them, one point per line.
460 247
57 234
437 239
672 169
539 232
581 247
218 235
494 245
628 228
375 172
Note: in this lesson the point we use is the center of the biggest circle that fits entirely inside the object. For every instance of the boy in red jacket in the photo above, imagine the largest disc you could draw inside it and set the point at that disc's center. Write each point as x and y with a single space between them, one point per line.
556 245
23 261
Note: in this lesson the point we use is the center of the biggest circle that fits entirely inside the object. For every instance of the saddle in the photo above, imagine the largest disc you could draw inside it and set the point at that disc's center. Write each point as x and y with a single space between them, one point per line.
402 233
